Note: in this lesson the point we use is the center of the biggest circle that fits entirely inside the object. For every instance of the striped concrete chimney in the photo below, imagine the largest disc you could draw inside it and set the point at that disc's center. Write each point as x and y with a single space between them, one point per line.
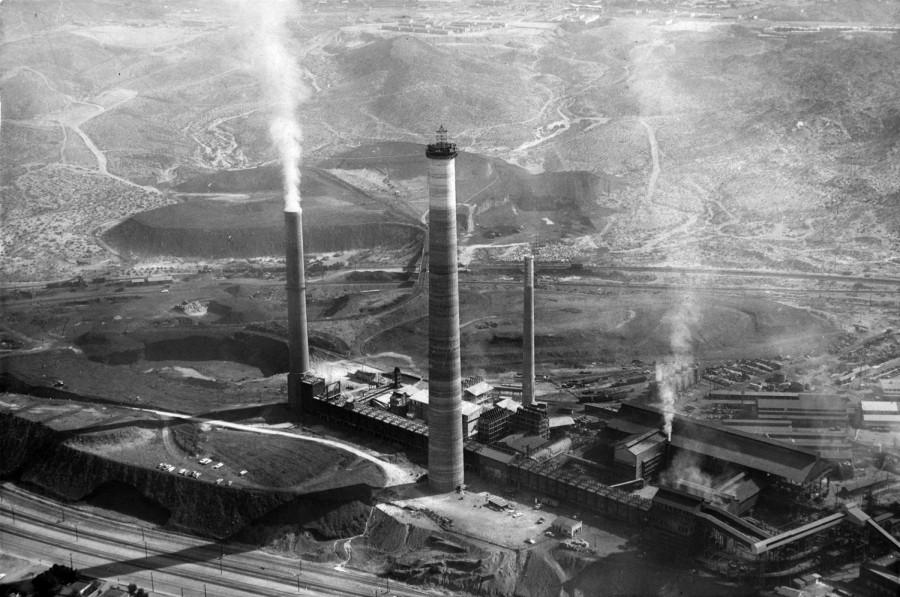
445 437
528 334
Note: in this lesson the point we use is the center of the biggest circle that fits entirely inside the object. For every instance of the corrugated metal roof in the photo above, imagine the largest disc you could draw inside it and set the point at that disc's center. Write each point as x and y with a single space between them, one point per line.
564 522
804 402
626 426
509 404
647 444
420 396
881 406
495 455
745 449
563 421
482 387
881 418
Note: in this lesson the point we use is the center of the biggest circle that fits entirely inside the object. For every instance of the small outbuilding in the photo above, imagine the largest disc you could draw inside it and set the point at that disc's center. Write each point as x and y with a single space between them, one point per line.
497 503
565 526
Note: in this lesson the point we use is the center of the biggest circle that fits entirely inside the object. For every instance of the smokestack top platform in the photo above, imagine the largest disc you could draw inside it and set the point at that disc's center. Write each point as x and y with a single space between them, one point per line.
441 149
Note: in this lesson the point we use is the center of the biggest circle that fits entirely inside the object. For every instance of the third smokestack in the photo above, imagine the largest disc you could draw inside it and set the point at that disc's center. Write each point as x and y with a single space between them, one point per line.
528 334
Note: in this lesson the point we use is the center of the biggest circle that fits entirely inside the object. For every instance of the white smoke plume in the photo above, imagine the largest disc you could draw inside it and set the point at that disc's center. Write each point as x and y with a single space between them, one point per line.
684 473
684 467
680 318
275 57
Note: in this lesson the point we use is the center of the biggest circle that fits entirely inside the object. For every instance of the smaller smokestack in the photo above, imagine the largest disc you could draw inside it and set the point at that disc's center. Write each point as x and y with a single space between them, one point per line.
528 334
298 344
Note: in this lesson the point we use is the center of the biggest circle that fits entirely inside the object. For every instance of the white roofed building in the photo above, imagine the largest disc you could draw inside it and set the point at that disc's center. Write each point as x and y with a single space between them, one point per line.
418 407
879 413
479 393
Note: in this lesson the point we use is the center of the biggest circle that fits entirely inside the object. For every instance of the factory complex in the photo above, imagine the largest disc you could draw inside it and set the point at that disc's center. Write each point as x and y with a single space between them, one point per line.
698 486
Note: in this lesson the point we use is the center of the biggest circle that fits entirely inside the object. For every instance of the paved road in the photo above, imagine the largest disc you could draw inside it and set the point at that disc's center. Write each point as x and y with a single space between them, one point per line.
40 529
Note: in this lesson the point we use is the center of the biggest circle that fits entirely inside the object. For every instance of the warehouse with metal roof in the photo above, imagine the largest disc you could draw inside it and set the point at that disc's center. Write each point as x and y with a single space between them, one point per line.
747 450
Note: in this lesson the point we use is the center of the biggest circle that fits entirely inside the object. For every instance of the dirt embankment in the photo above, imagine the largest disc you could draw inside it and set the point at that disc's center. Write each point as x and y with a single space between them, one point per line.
41 456
411 547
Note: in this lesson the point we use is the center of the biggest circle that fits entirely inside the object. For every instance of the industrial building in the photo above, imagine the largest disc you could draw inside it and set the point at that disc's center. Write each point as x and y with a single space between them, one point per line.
881 577
493 425
879 414
686 517
830 444
514 446
480 393
890 387
531 419
720 445
801 409
641 455
565 526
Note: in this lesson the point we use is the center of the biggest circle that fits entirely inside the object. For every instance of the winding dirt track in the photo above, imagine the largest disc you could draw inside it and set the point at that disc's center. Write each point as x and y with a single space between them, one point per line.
394 474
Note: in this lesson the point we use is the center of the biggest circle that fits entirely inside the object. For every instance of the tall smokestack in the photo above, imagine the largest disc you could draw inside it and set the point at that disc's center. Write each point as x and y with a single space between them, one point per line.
296 300
445 438
528 334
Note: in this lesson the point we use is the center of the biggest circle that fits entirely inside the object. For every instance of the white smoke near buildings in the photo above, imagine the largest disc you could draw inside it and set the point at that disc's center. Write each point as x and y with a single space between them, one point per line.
670 373
275 55
685 468
684 473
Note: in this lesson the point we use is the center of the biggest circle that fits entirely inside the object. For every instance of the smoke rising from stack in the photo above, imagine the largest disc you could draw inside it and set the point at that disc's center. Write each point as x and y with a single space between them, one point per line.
680 318
274 54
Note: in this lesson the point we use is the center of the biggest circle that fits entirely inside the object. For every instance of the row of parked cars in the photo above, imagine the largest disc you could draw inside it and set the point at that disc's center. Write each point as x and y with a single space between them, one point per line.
165 466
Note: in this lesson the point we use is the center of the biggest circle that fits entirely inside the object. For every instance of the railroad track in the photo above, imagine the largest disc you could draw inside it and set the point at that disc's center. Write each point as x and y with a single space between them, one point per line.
107 548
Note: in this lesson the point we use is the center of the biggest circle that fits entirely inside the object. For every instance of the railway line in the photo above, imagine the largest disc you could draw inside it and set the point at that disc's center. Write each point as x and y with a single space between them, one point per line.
38 528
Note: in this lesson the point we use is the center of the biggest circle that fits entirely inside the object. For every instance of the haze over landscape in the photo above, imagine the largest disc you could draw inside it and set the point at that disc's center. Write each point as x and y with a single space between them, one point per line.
702 185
